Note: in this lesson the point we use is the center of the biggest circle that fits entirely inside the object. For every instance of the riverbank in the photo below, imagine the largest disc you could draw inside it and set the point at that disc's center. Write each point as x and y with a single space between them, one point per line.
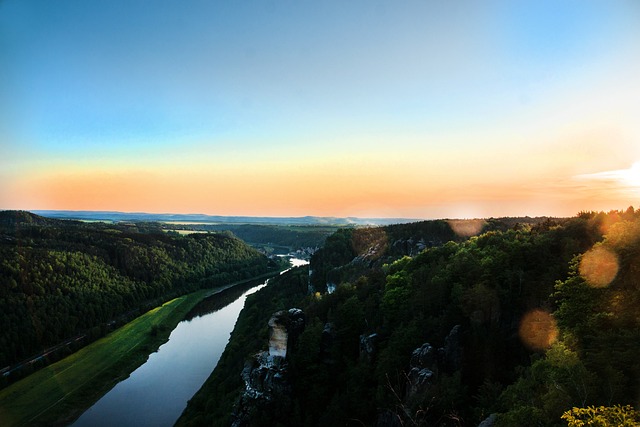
213 403
60 392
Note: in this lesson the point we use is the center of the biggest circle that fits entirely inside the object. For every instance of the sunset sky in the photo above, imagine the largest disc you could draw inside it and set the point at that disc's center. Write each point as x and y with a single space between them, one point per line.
418 109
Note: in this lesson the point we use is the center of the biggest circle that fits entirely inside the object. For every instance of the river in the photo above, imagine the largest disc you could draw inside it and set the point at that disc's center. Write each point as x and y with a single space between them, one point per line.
157 392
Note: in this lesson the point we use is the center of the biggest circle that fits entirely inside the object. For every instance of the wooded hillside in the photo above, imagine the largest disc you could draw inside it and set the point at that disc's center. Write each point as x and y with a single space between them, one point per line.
524 322
59 279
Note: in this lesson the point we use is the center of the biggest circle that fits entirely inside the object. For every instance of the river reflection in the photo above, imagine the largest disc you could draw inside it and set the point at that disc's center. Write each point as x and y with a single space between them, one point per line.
157 392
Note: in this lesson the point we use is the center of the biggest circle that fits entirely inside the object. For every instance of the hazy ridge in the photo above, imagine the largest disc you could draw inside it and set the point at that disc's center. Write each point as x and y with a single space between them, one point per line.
141 216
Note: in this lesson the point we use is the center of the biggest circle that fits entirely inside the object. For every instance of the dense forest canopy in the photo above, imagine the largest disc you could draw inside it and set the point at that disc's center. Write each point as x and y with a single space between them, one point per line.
524 321
59 279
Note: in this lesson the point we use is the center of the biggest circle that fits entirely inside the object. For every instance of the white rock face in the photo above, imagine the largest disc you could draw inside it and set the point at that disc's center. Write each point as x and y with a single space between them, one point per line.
283 326
267 387
277 338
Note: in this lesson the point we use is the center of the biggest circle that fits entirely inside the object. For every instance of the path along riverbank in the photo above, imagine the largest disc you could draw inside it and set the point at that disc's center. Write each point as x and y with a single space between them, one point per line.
57 394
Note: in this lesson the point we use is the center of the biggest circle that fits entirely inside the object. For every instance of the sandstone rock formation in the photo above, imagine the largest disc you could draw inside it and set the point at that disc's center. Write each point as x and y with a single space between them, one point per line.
267 388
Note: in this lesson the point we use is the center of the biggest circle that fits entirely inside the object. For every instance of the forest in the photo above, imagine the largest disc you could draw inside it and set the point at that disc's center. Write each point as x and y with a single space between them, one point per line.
527 322
280 238
62 279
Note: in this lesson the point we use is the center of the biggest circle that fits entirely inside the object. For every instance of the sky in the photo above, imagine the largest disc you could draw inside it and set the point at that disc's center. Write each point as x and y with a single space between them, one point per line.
414 109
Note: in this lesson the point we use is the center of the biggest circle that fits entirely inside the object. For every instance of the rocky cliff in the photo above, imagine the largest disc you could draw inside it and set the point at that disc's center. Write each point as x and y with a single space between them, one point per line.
266 398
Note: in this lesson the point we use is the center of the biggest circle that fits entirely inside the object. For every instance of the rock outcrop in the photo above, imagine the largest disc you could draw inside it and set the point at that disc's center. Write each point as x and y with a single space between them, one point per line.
425 365
284 329
368 345
327 341
412 246
490 421
422 370
451 353
426 362
264 376
267 388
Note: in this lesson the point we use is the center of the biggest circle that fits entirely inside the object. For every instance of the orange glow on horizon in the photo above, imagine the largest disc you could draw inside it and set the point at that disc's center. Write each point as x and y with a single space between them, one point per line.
333 184
288 193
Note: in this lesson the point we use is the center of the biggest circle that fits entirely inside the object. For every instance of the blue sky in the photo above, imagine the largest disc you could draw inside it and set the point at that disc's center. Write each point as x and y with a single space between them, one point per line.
320 91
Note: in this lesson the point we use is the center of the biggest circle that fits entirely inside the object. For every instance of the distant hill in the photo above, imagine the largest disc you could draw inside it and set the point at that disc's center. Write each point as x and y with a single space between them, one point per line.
14 218
216 219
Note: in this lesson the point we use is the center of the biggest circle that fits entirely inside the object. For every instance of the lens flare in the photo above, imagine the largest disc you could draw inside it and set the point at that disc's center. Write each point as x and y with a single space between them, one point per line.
599 267
623 233
538 329
466 227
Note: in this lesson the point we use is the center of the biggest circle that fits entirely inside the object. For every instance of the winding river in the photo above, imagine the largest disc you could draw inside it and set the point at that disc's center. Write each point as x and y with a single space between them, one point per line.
157 392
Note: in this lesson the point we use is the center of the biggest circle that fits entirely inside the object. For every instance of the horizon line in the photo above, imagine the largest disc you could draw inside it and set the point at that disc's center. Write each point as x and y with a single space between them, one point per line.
408 219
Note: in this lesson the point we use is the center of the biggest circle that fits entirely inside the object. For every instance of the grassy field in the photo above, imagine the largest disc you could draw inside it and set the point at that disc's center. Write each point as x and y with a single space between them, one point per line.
59 393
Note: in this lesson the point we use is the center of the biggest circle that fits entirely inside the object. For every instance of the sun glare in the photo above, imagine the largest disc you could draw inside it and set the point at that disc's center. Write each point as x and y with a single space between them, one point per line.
631 176
466 227
625 179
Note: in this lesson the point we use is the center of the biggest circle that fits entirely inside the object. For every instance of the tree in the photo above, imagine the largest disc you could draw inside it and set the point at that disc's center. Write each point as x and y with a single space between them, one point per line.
602 416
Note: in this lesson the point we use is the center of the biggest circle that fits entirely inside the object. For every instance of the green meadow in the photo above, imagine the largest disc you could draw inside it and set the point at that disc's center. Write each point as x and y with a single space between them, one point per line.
57 394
